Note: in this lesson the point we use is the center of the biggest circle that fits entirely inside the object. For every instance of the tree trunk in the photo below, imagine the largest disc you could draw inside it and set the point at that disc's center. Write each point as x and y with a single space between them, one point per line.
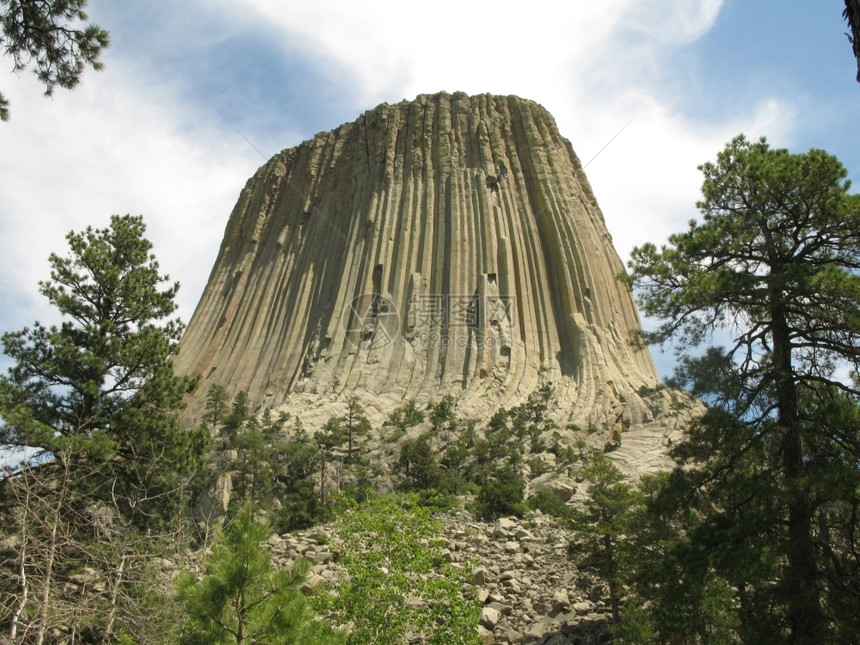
51 555
806 619
805 616
611 578
240 616
114 594
322 477
22 569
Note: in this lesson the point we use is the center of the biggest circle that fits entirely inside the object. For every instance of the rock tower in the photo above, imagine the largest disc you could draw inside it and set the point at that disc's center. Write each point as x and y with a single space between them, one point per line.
449 245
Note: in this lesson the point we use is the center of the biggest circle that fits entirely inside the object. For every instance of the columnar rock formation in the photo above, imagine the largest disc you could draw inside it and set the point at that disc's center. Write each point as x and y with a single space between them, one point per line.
447 245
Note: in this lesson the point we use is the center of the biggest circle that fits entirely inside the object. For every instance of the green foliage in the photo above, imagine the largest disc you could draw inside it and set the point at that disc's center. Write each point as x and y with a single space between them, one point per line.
442 413
282 470
776 261
98 399
548 503
499 449
453 460
419 465
359 491
404 417
501 495
713 620
331 436
774 223
301 506
530 420
423 474
671 591
242 598
103 377
502 444
276 470
604 524
239 413
262 456
354 426
47 36
397 582
216 405
478 461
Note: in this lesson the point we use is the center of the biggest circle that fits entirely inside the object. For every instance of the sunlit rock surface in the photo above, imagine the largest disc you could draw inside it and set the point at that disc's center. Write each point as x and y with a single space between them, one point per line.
446 245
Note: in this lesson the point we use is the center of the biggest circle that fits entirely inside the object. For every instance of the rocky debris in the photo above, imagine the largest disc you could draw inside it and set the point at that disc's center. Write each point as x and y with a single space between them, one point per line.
530 591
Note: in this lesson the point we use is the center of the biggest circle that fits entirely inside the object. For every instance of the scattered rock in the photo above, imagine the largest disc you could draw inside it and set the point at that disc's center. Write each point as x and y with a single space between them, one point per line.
541 599
481 576
489 617
560 600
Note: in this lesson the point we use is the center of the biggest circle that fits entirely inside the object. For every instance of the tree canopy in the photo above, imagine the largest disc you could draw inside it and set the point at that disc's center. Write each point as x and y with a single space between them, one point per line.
104 374
97 398
48 35
775 262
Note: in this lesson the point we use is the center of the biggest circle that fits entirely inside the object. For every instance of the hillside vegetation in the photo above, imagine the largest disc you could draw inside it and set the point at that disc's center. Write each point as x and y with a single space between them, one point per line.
125 526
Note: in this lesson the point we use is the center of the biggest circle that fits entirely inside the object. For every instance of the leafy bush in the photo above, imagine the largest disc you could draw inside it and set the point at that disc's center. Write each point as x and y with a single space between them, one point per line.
396 581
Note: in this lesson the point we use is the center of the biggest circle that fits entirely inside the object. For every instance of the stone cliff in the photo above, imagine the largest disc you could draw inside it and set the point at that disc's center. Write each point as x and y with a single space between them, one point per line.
446 245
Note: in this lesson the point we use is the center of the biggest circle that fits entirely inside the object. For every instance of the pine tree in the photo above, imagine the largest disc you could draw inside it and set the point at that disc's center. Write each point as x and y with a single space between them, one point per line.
775 261
604 525
47 36
404 417
97 401
355 426
242 598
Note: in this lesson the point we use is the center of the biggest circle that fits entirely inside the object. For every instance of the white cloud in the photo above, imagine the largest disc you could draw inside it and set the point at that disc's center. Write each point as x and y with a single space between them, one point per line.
674 22
111 147
397 51
127 140
594 65
646 181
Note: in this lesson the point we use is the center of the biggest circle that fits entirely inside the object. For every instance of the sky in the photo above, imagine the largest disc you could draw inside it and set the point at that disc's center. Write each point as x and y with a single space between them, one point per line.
196 95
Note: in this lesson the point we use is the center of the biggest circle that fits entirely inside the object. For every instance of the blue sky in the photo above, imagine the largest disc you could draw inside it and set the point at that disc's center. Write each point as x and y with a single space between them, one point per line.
195 95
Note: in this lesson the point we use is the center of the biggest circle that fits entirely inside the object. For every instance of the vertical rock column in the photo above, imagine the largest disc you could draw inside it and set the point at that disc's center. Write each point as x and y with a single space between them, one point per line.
447 245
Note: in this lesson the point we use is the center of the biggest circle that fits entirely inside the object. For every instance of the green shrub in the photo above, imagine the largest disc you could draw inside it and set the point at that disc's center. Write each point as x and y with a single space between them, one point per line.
435 500
501 494
549 503
242 597
396 581
419 465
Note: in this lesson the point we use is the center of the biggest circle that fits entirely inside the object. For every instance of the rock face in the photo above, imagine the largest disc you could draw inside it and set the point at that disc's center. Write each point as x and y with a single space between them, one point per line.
447 245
